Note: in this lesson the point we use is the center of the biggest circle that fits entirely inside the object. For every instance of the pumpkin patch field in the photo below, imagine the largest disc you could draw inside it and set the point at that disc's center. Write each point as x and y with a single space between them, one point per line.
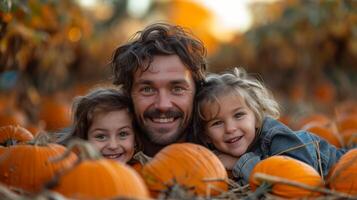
39 168
52 51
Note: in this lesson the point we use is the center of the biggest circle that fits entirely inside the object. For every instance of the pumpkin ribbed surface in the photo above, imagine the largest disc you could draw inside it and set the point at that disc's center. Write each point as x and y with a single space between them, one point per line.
290 169
14 134
325 133
55 114
12 116
344 174
316 119
102 179
28 167
189 165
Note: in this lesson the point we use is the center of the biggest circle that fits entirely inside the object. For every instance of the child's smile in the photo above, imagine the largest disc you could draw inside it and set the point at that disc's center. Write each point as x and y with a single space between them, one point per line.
112 134
113 156
231 124
233 140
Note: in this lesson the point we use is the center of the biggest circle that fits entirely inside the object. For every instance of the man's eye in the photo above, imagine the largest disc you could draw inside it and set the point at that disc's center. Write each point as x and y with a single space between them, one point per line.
178 90
147 90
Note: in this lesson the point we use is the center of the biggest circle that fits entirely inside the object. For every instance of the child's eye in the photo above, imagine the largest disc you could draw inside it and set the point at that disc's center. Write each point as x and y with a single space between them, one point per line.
123 134
216 123
239 115
100 137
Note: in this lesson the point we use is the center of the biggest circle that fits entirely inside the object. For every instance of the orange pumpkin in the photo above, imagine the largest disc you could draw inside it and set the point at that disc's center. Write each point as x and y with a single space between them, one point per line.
10 135
349 137
12 116
55 114
324 92
347 126
325 133
343 176
290 169
346 108
137 166
190 165
316 119
95 177
347 122
28 166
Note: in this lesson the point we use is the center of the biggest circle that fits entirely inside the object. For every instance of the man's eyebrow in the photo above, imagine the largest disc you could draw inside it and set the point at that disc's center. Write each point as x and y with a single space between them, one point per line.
179 81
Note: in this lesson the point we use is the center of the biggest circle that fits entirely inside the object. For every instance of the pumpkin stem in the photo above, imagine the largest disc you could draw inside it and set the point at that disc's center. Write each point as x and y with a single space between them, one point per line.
86 151
41 139
142 158
263 188
9 142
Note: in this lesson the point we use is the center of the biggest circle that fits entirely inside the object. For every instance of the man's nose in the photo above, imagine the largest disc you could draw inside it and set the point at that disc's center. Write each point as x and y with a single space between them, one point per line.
163 102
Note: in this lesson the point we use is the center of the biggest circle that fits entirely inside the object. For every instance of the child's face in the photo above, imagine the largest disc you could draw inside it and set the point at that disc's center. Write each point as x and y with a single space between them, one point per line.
112 134
231 125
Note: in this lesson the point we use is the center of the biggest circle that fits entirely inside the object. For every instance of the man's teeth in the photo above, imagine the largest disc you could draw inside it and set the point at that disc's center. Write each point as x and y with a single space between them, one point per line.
163 120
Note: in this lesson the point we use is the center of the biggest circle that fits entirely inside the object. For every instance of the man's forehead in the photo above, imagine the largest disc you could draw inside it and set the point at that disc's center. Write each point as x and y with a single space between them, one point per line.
157 73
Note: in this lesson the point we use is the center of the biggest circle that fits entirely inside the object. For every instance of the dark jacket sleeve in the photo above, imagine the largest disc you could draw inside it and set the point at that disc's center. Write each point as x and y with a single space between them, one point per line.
306 147
244 166
277 139
326 154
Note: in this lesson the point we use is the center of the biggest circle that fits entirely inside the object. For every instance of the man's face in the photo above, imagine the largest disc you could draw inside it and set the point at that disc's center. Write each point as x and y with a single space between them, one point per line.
163 99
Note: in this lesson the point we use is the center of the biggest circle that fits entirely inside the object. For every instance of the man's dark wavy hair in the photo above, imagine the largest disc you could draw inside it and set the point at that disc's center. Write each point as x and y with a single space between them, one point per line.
158 39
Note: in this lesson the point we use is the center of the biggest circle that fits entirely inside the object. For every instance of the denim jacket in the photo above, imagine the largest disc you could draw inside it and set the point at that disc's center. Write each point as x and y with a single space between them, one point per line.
276 138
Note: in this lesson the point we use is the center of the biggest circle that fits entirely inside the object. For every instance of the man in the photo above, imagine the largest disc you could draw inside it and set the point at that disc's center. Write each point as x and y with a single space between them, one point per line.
161 69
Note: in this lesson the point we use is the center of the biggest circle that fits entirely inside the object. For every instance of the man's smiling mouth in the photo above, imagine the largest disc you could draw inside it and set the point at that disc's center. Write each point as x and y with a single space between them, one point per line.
163 120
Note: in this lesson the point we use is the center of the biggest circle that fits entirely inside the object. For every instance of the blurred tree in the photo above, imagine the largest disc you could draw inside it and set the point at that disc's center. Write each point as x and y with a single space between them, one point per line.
304 50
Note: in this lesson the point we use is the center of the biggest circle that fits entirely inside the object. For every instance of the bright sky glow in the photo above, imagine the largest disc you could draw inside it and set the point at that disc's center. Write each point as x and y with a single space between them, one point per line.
232 15
138 8
88 3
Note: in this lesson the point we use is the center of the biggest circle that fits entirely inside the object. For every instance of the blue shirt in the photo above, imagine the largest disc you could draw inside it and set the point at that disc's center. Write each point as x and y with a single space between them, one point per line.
277 139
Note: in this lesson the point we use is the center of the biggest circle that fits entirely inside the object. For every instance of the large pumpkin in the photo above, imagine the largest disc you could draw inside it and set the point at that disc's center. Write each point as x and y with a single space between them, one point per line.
347 122
12 116
326 133
95 177
343 176
313 119
190 165
28 166
290 169
10 135
347 125
54 113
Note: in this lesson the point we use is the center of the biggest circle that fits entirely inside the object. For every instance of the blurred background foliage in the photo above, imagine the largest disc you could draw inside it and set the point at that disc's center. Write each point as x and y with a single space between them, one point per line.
54 50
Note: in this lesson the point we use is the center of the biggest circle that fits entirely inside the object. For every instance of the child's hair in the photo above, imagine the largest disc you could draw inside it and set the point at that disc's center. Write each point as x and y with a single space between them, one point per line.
237 82
99 100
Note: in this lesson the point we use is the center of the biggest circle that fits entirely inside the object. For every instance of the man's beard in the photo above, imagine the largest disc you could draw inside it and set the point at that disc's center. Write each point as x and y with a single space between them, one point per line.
160 138
157 136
